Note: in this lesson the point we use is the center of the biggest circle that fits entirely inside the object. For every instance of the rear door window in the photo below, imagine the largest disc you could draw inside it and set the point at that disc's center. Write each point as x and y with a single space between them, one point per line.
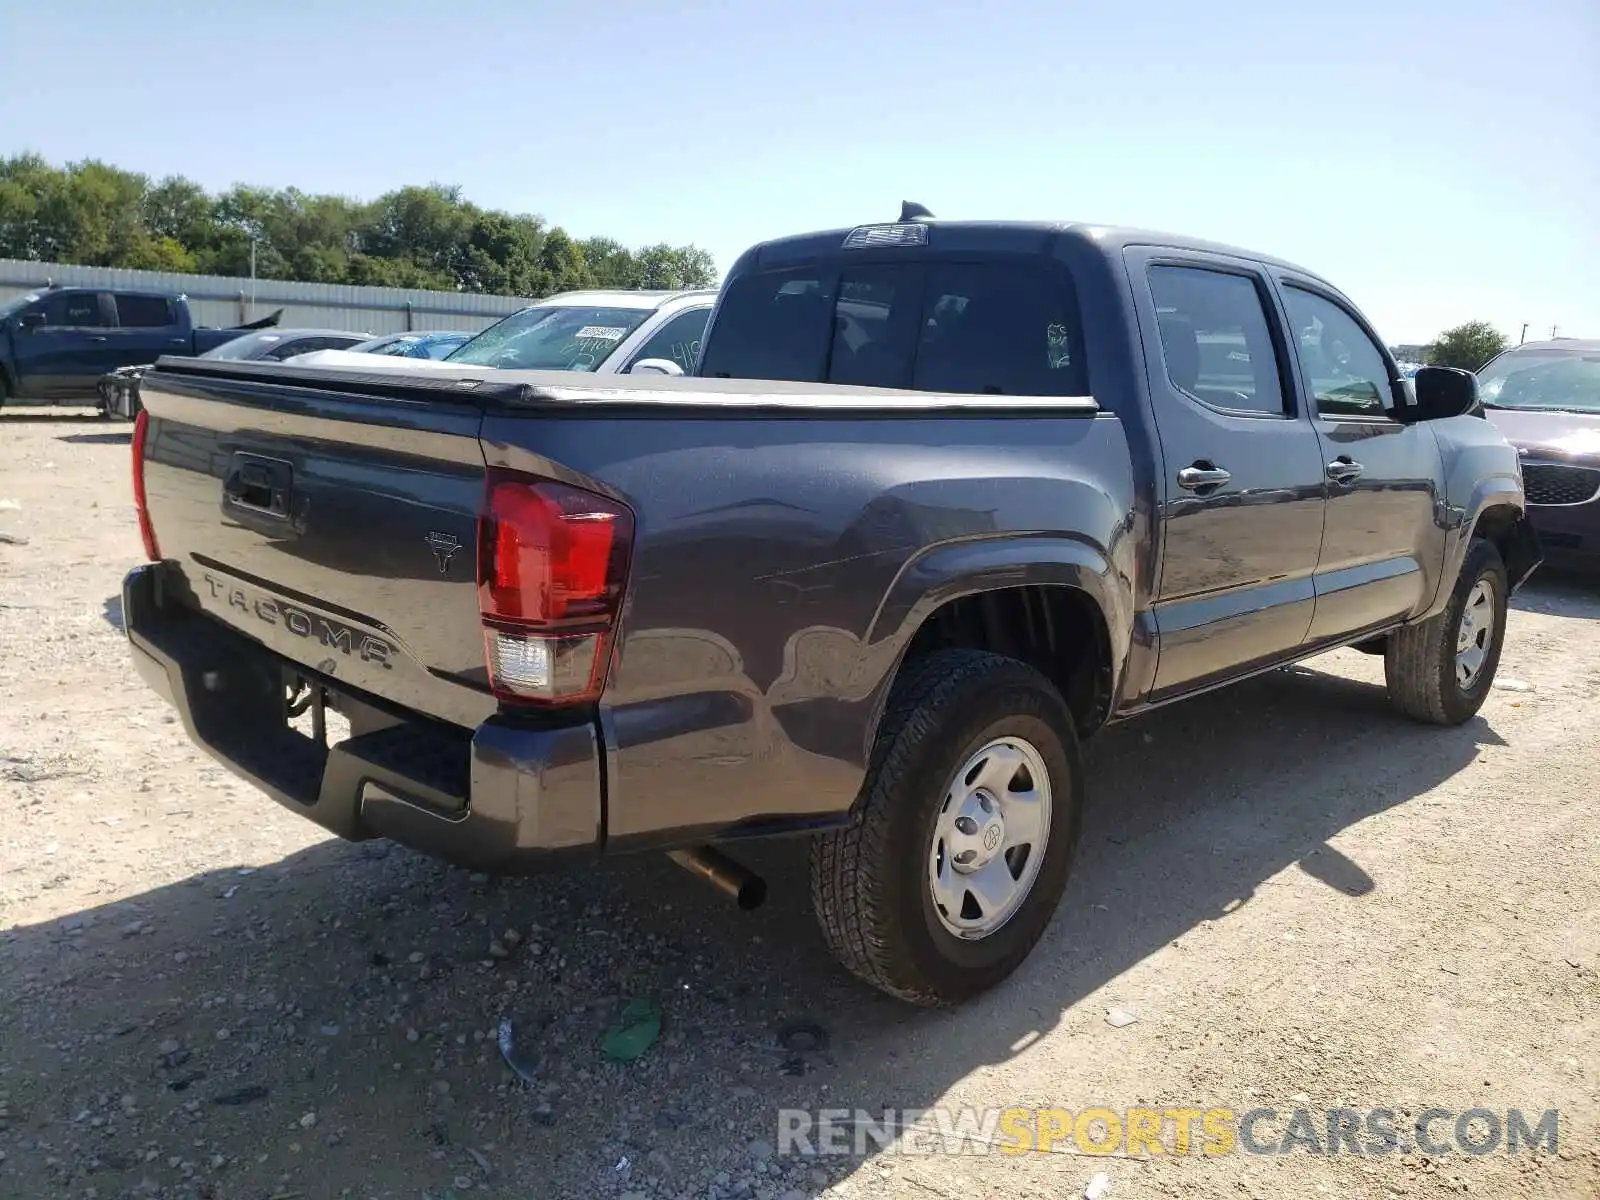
1216 340
678 340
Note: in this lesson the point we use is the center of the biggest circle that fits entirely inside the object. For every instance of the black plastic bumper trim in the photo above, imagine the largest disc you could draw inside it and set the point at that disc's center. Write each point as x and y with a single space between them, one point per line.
504 796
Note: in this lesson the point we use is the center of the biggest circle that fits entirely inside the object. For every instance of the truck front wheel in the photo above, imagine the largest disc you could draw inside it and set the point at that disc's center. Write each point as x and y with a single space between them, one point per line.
968 822
1440 671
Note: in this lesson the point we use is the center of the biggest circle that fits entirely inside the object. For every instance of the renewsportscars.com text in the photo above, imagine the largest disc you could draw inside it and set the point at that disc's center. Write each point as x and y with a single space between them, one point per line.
1151 1131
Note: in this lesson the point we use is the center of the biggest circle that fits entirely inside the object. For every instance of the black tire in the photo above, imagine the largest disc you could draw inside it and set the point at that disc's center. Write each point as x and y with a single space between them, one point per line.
869 883
1420 660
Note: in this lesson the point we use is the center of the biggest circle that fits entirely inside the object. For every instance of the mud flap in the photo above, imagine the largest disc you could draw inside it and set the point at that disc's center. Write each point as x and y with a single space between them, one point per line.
1523 552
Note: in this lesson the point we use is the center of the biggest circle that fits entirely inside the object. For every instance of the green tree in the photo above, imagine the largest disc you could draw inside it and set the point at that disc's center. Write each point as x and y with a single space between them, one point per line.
87 213
427 226
26 183
94 214
502 255
562 267
146 253
610 263
313 235
1468 346
179 209
242 215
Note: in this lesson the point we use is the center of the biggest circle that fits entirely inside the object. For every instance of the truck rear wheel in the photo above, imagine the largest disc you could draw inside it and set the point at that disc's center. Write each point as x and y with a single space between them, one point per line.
1440 671
968 824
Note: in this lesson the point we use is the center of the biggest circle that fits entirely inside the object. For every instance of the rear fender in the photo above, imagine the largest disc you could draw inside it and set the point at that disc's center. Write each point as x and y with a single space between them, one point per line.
955 570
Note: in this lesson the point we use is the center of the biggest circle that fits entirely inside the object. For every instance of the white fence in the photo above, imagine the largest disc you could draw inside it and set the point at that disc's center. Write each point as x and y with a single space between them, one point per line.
221 300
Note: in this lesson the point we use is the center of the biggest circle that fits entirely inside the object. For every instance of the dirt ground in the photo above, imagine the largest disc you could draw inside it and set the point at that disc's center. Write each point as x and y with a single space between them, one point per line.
1305 901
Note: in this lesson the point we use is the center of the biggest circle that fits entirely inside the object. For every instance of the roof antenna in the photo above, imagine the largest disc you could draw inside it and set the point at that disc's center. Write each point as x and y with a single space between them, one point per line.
910 210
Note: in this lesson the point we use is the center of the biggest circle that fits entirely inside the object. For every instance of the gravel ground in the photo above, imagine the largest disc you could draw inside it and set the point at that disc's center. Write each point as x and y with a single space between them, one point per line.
1304 901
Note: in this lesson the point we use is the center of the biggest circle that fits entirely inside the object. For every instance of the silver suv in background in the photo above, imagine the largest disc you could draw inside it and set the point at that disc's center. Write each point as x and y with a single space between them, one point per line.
599 332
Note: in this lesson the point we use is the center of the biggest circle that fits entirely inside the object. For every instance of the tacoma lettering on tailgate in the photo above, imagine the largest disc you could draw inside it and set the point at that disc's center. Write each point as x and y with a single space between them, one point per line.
312 626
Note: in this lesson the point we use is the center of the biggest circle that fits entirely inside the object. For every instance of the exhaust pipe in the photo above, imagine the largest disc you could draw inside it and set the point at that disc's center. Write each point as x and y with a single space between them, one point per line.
735 879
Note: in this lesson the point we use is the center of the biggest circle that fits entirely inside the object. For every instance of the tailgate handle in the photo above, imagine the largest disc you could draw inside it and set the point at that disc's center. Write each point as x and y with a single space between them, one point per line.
259 484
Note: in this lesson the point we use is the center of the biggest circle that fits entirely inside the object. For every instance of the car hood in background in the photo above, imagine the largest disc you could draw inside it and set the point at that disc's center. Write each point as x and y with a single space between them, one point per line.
1557 434
366 362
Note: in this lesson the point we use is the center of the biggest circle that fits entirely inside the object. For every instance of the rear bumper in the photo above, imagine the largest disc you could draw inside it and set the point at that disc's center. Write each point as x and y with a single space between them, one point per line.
119 395
503 797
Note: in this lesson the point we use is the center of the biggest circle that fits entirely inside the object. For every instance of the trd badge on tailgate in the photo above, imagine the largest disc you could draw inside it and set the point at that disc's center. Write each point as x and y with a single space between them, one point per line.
443 545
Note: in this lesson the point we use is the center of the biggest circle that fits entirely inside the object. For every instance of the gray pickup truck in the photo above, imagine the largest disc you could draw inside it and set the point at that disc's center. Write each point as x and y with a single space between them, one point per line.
943 500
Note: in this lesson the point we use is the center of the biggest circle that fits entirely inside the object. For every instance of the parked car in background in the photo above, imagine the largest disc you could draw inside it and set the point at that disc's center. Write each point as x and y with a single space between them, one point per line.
431 344
275 345
56 344
1545 398
944 498
119 390
602 333
396 347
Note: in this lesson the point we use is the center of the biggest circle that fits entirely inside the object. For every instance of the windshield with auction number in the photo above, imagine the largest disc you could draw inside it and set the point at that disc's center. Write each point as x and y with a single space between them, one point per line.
552 338
1550 377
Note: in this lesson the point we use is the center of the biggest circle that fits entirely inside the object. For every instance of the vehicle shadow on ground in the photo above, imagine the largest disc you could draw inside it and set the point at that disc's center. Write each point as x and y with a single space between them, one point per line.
40 416
1561 592
353 981
111 613
98 439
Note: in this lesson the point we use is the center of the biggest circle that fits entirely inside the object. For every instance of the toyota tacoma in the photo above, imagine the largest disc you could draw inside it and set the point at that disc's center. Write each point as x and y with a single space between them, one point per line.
940 501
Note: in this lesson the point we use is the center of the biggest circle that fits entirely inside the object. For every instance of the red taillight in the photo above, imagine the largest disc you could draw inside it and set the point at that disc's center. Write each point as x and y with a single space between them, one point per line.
147 531
552 562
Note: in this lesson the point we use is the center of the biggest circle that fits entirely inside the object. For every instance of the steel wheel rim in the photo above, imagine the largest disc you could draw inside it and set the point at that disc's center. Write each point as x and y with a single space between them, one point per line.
989 838
1475 636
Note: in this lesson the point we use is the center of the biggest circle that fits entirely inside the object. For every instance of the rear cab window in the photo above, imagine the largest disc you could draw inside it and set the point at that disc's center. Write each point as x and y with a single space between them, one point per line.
136 311
997 327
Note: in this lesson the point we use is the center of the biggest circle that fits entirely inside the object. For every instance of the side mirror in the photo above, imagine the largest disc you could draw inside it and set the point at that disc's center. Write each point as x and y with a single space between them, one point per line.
655 366
30 320
1443 392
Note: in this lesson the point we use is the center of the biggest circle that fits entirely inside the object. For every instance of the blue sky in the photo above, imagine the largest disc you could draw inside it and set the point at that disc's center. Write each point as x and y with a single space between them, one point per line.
1440 161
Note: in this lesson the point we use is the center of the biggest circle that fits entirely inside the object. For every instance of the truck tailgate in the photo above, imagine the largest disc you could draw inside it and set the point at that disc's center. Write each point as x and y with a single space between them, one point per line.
334 525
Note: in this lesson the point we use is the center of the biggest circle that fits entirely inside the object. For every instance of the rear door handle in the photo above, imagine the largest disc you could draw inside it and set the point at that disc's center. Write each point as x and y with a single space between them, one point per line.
1203 477
95 337
1344 469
